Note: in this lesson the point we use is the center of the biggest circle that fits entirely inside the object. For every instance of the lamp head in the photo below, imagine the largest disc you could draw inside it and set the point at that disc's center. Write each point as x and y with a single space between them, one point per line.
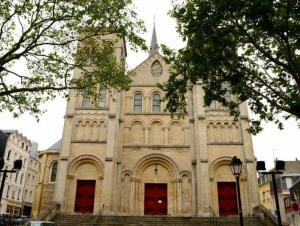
279 165
236 166
260 166
18 164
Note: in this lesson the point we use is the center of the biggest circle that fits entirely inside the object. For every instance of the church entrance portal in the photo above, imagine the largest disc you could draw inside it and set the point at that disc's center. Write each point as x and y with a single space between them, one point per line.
156 199
85 194
227 198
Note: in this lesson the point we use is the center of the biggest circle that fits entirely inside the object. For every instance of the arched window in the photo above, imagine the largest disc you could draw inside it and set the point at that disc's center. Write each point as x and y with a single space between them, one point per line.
227 95
156 103
213 105
102 98
53 172
86 99
137 105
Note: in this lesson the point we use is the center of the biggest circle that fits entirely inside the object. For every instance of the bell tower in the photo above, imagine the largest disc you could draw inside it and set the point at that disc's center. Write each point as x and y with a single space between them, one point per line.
88 152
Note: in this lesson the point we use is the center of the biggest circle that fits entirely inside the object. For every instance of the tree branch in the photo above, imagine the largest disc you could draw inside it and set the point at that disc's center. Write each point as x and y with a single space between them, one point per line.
253 42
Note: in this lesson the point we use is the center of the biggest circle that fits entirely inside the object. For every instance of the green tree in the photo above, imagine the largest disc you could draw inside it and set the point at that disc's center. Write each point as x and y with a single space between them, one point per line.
43 41
253 45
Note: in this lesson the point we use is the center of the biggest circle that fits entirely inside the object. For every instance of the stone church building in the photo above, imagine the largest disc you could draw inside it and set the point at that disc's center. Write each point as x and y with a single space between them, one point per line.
130 157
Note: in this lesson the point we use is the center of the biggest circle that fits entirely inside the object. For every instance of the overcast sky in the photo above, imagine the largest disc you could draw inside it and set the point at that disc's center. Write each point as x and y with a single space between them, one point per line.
269 144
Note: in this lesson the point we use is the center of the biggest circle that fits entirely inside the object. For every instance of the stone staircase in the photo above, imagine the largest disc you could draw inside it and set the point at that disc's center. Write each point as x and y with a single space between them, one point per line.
93 220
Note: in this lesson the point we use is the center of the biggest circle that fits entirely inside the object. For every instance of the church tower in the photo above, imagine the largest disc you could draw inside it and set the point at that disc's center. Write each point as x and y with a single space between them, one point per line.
130 157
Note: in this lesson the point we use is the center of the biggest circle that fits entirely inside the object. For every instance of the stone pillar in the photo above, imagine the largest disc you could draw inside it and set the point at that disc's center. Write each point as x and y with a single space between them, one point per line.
179 196
200 140
203 172
132 196
108 192
147 130
60 185
167 130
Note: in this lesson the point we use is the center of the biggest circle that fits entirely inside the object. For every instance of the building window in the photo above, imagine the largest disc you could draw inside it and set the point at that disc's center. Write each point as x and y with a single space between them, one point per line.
137 106
213 105
24 164
19 192
86 99
227 95
156 103
28 178
7 191
16 178
8 154
21 180
102 98
53 172
287 203
22 144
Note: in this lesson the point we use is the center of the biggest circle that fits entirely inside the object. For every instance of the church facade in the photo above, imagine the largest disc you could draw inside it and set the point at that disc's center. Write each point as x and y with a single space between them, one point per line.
130 157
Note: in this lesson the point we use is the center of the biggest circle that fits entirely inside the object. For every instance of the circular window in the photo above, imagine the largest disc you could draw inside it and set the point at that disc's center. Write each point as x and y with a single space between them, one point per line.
156 69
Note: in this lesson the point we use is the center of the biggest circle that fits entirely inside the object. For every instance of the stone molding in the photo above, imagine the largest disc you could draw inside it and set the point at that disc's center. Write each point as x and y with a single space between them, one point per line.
156 145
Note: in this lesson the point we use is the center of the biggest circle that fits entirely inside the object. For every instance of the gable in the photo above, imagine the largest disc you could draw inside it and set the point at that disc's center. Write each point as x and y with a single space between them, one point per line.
152 71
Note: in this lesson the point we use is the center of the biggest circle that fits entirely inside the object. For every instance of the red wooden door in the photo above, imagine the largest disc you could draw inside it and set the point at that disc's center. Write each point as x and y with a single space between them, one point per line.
227 198
85 194
156 199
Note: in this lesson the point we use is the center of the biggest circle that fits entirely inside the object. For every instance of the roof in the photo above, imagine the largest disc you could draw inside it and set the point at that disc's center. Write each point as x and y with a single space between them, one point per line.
55 146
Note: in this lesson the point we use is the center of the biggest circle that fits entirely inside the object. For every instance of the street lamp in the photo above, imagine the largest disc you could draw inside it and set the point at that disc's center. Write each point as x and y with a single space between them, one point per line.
236 168
17 167
279 167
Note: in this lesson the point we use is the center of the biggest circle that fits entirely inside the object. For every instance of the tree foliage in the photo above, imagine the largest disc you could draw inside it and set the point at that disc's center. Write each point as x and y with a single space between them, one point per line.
253 45
43 41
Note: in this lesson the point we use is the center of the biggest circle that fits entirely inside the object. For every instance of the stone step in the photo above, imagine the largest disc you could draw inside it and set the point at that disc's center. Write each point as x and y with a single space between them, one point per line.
93 220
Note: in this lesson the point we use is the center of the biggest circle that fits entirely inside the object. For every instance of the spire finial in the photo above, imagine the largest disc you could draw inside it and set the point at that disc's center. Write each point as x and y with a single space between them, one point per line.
154 45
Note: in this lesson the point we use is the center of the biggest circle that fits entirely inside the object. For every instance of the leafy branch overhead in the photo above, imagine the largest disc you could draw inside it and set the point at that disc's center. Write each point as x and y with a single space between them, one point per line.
253 45
43 41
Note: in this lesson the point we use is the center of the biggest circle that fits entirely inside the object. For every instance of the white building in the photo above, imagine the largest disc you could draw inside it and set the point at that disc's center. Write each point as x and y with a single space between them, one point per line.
14 145
31 180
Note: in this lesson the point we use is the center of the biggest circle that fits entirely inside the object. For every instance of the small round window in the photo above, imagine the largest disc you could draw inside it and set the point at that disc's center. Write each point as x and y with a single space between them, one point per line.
156 69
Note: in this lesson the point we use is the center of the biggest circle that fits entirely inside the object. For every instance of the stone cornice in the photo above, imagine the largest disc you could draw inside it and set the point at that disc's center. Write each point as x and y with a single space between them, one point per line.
157 145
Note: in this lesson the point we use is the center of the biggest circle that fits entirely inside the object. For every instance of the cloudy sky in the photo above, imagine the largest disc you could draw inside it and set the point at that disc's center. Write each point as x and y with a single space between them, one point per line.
268 145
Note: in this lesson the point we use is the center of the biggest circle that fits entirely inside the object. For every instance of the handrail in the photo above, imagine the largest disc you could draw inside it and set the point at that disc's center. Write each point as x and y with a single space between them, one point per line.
50 212
266 216
100 214
101 210
213 217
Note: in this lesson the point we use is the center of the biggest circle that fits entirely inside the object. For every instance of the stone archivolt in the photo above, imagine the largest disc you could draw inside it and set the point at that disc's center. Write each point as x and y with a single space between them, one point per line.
179 184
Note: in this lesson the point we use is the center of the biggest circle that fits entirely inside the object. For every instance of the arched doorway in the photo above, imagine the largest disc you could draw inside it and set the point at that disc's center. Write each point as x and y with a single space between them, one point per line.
155 187
223 188
84 184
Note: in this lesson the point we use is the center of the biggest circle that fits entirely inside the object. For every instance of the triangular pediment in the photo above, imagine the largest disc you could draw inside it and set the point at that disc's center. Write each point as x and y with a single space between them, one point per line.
151 71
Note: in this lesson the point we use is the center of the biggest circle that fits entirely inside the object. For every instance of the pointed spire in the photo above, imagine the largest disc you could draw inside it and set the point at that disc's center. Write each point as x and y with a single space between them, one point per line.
154 45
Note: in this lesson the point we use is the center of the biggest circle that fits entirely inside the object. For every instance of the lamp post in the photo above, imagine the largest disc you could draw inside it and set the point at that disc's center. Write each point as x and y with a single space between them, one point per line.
236 168
17 167
279 167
